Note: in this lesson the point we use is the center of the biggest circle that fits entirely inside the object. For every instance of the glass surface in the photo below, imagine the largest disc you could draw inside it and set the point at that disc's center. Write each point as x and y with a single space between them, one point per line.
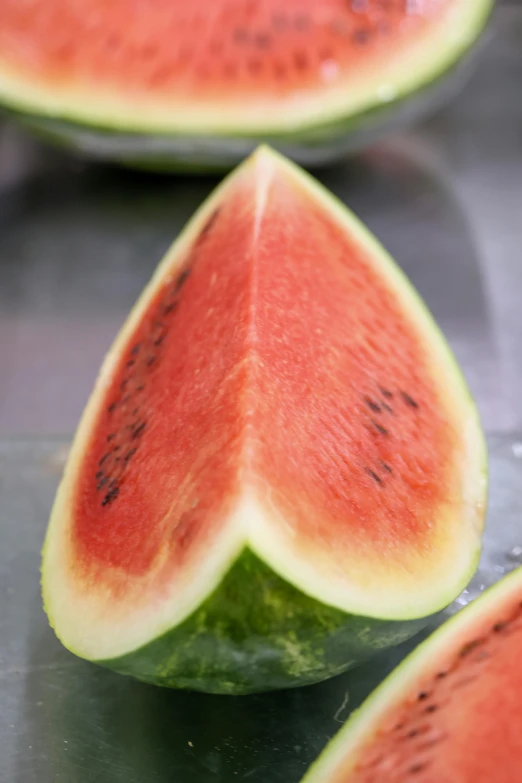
77 243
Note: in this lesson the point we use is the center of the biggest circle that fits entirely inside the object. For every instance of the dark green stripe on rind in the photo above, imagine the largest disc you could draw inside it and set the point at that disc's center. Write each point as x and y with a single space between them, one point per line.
256 633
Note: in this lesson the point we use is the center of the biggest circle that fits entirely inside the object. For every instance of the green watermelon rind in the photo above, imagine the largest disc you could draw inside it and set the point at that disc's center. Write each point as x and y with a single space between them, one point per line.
313 144
396 685
257 632
260 624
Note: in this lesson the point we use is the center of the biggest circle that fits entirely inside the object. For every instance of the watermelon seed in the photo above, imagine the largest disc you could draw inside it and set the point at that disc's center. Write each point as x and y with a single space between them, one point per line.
431 708
279 21
112 407
170 307
99 474
105 456
301 22
136 349
409 400
374 475
182 279
130 454
423 695
385 392
441 675
386 466
140 388
139 430
387 407
131 363
416 768
361 36
101 483
240 35
109 497
498 627
126 398
135 412
379 427
262 41
470 646
150 361
160 339
111 436
372 405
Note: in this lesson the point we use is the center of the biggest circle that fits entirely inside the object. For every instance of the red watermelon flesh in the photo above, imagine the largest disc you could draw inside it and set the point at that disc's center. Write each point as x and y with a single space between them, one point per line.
224 63
451 712
278 387
268 359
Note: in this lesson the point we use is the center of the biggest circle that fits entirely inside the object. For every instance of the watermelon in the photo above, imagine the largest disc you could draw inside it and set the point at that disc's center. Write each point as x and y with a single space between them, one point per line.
177 84
452 711
280 469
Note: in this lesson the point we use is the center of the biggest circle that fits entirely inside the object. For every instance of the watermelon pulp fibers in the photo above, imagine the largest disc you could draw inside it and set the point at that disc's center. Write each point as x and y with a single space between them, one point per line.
279 453
303 72
452 711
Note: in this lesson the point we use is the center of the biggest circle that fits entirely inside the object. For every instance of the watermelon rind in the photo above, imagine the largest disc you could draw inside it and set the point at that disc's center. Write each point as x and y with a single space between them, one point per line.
206 140
255 617
358 729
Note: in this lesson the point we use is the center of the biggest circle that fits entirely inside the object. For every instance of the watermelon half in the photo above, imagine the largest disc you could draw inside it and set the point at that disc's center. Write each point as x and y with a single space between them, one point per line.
171 83
280 469
450 713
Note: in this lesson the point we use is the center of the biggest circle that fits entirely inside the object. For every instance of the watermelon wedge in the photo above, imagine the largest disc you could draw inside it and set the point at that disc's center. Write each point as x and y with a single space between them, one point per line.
177 84
280 469
452 711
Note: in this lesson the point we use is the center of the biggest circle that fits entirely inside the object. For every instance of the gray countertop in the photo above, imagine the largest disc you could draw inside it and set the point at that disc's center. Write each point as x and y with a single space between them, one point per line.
77 244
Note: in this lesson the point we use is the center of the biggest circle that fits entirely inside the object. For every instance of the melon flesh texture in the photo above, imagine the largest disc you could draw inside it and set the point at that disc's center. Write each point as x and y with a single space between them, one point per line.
451 712
233 66
278 392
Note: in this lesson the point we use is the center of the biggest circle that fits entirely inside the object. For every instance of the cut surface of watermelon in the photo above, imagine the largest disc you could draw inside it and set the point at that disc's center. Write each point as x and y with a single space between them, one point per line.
231 69
279 451
452 711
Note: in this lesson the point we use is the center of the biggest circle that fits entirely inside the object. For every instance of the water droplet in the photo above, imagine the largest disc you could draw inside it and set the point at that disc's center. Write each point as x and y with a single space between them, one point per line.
329 70
517 450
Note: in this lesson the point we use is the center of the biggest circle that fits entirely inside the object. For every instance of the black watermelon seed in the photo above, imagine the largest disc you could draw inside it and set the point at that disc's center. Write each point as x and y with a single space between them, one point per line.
210 222
130 454
470 646
111 436
431 708
136 349
386 466
409 400
105 456
160 339
139 430
498 627
140 388
374 475
423 695
372 405
101 483
109 497
99 474
385 392
240 35
417 768
170 308
387 407
130 363
379 427
150 361
112 407
182 279
135 411
441 675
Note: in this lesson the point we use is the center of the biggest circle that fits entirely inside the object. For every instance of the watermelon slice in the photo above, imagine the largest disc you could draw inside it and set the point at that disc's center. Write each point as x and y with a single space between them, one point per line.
452 711
280 469
177 83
